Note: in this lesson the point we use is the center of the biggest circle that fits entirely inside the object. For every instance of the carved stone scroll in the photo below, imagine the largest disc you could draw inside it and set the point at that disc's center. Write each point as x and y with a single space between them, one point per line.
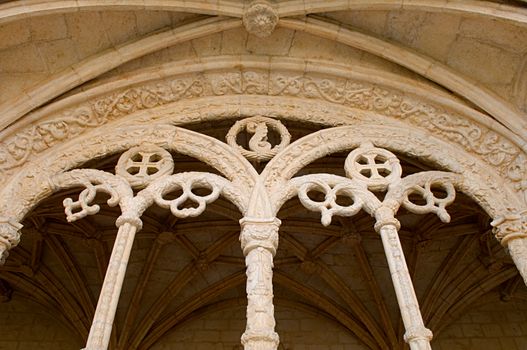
260 149
259 240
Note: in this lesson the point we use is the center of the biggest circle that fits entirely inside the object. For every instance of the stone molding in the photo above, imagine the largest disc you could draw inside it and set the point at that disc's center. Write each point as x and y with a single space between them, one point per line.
10 12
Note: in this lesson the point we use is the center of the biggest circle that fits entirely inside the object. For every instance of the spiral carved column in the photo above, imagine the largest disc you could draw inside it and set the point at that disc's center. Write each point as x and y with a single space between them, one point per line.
101 327
417 335
259 240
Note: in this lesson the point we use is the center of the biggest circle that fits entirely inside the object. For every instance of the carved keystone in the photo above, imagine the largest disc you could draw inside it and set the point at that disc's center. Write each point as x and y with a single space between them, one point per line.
260 18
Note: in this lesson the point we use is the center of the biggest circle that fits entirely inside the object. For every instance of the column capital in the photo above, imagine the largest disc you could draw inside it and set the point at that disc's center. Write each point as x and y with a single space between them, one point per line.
510 226
258 340
385 215
258 232
9 236
418 333
129 219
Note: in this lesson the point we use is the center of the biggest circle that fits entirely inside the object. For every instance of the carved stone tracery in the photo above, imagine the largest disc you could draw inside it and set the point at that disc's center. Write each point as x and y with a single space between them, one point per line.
477 138
369 169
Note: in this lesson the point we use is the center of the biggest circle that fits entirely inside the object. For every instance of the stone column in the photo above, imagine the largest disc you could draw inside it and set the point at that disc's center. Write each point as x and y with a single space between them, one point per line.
417 335
511 230
9 237
101 327
259 240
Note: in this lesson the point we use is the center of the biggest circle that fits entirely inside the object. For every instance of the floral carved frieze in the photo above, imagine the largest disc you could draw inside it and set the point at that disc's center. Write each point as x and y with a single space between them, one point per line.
475 138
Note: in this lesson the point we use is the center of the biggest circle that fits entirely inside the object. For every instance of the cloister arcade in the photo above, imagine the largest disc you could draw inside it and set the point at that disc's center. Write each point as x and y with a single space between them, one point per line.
263 175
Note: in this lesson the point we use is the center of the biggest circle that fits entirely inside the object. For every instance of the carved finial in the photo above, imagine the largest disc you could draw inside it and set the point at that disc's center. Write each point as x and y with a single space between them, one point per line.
9 236
260 18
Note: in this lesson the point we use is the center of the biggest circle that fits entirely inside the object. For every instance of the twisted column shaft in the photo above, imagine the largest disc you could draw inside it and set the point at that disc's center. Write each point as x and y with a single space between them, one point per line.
259 240
101 328
417 335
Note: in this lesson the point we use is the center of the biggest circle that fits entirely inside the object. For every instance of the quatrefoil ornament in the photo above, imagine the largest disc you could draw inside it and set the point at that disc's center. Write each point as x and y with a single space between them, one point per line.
375 167
143 164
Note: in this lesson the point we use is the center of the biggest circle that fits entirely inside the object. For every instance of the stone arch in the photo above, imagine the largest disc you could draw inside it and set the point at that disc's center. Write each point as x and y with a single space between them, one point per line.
254 85
34 183
10 12
494 199
153 123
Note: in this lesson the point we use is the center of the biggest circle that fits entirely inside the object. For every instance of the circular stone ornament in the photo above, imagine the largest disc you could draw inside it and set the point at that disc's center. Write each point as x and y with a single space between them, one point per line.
260 18
143 164
375 167
259 148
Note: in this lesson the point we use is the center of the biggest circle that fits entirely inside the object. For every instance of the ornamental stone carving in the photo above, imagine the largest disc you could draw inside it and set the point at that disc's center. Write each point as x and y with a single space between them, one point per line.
510 226
142 165
260 18
260 149
449 125
9 237
147 166
259 239
144 176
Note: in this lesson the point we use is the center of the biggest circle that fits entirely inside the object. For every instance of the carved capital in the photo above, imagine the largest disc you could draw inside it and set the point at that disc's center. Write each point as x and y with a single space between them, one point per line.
510 226
9 236
128 219
260 340
259 233
418 333
260 18
385 216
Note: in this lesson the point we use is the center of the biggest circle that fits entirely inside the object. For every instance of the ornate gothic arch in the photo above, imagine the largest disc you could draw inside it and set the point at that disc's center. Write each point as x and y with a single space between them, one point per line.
365 112
259 227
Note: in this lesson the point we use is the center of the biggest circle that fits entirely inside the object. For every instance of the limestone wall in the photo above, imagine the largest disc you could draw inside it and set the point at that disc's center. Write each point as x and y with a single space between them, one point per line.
491 327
